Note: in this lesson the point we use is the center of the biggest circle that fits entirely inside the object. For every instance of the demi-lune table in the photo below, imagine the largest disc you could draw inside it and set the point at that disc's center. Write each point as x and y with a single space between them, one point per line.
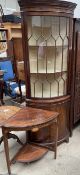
27 119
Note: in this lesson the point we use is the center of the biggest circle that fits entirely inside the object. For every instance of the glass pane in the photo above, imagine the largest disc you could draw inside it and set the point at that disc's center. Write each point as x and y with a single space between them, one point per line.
33 60
55 27
63 27
48 53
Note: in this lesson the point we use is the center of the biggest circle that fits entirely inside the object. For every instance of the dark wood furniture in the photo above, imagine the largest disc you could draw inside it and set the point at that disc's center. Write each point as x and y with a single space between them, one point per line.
18 57
5 113
25 120
47 28
6 50
1 87
12 78
3 50
76 72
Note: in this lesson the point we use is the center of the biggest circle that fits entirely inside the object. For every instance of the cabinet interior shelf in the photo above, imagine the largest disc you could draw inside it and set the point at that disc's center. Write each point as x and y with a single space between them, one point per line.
43 73
3 40
51 46
3 29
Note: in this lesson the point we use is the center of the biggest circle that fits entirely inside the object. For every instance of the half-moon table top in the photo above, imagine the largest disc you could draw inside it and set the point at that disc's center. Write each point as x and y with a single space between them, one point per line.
29 118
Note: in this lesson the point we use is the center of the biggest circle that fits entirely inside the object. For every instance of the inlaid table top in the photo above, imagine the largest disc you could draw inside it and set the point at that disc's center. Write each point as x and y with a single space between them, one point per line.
6 112
29 117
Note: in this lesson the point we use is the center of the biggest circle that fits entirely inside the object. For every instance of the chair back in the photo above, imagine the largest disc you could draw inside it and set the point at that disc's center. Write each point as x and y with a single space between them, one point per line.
6 66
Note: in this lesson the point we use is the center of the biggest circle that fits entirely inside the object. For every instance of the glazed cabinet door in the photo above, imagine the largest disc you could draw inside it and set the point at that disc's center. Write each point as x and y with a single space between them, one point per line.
77 82
48 41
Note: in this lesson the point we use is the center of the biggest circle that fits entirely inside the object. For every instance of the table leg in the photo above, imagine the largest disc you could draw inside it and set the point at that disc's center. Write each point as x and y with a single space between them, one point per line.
6 148
56 139
1 91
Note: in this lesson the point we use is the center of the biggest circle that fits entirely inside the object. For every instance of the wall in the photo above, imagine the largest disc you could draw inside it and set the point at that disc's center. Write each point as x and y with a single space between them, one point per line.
9 6
12 5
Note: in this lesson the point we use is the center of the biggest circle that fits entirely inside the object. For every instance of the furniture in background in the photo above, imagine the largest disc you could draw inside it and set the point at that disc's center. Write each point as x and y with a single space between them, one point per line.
3 53
5 64
14 30
12 24
12 18
47 30
5 113
76 72
19 63
1 87
25 120
18 57
10 79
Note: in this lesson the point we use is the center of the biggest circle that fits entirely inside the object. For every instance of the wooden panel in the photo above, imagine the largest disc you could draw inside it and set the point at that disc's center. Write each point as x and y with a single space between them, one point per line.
64 110
10 48
18 57
20 69
16 33
77 82
18 51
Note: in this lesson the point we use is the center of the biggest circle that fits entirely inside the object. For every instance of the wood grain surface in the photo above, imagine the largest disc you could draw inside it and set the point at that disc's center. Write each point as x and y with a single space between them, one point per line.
30 117
6 112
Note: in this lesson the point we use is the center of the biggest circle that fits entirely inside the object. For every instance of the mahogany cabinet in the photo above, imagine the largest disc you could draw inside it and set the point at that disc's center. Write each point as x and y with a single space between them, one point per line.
76 71
47 28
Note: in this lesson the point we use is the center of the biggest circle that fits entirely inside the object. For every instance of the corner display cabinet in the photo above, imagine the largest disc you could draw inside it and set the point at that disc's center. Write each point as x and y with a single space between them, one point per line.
47 28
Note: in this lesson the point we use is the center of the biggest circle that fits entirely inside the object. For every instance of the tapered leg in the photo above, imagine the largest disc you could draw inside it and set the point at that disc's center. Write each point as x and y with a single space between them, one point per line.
19 82
56 139
6 148
1 91
1 139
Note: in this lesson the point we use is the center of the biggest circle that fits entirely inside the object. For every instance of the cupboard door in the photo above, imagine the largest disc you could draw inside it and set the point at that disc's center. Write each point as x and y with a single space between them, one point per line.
77 81
48 40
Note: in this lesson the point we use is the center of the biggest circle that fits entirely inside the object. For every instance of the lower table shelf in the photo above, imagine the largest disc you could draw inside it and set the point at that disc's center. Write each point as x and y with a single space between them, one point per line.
29 153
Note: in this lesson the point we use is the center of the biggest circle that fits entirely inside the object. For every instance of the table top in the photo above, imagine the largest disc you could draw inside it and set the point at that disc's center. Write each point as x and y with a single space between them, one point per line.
30 117
6 112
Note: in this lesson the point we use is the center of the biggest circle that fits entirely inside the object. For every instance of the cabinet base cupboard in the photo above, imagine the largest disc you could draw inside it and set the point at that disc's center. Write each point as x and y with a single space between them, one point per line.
47 28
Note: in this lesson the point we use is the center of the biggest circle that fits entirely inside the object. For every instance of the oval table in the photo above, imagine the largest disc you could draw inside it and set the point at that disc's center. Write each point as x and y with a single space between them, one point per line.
27 119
